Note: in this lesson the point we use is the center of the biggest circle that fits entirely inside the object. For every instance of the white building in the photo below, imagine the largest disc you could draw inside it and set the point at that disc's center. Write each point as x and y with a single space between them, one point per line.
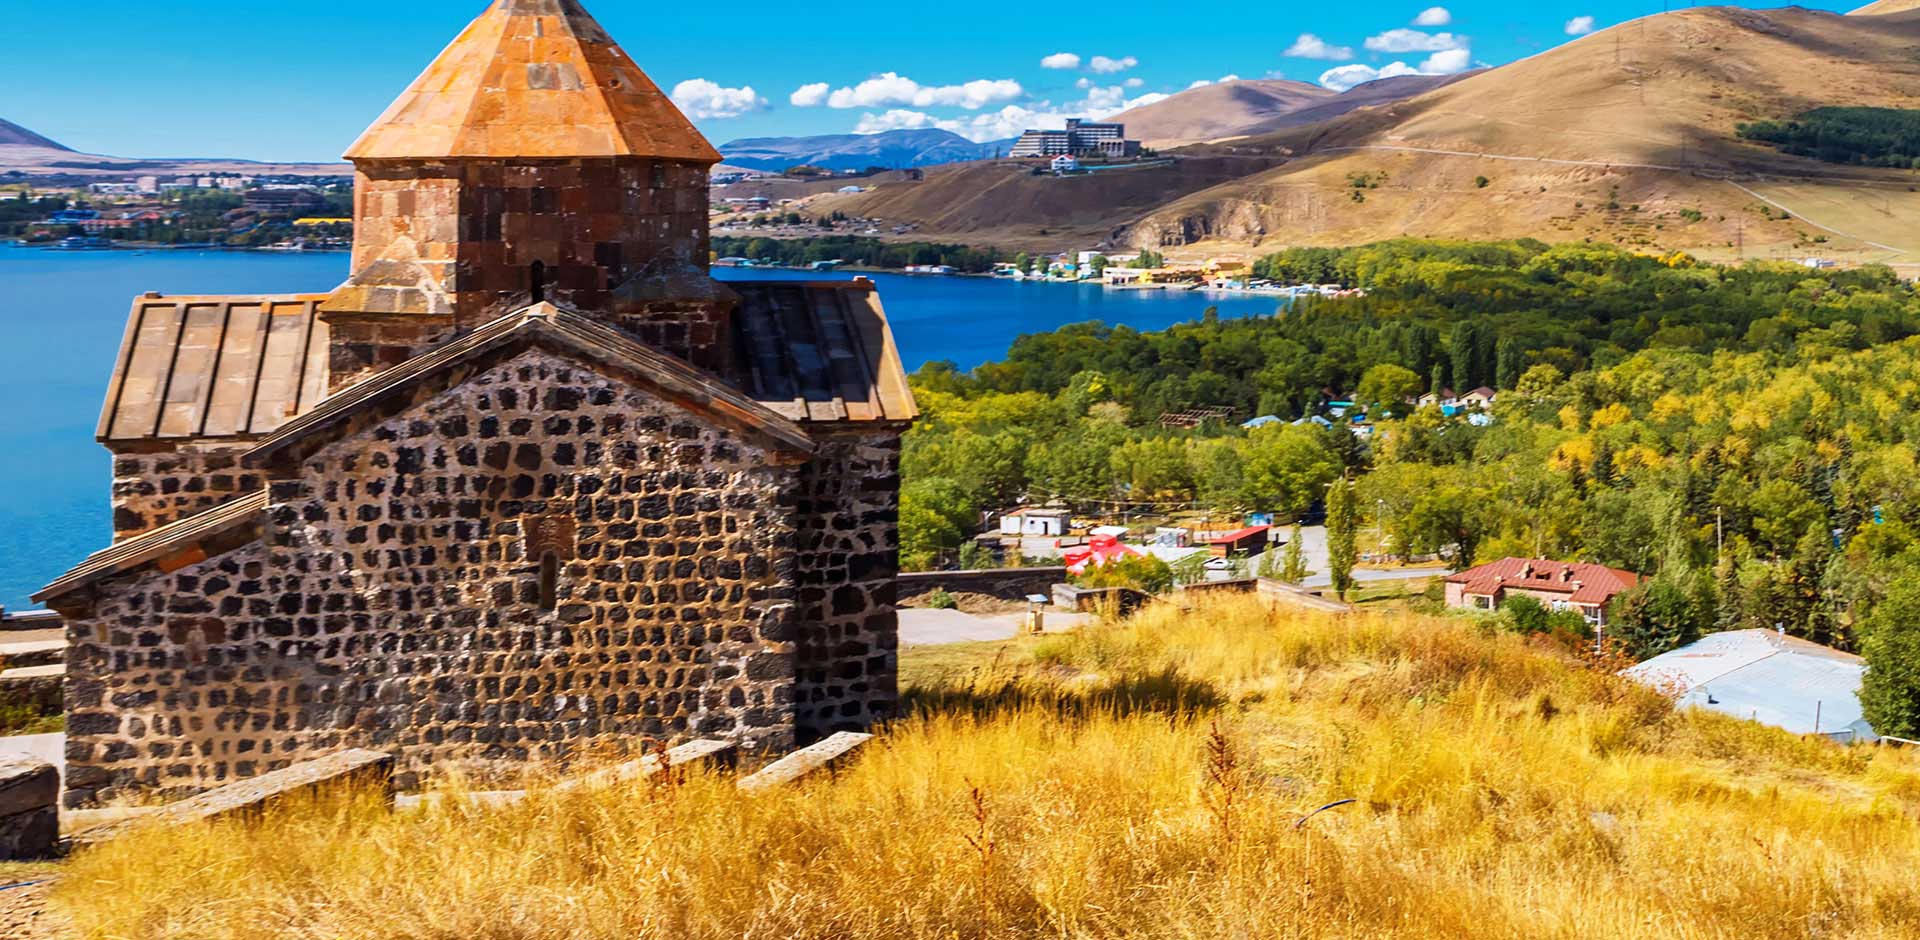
1768 677
1065 163
1039 523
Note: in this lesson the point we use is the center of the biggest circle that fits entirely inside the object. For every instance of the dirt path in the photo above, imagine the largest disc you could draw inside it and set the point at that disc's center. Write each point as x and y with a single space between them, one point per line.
23 910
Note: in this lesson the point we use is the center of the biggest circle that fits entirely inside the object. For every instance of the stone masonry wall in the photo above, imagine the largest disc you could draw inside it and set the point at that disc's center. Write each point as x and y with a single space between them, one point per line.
153 489
400 598
849 633
472 240
1012 584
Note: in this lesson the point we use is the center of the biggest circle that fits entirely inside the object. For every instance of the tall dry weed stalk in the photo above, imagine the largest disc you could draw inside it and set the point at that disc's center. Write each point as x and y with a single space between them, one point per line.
982 842
1225 783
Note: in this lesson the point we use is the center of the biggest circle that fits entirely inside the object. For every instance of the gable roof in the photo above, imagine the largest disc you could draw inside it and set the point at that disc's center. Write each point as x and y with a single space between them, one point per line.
190 540
547 326
535 79
819 351
215 367
1586 584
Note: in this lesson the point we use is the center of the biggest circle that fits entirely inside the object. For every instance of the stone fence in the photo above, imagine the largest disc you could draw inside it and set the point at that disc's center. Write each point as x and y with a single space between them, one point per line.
1008 583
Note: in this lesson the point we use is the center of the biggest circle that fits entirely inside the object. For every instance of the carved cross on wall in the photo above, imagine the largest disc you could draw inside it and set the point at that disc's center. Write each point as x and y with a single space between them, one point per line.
553 532
550 543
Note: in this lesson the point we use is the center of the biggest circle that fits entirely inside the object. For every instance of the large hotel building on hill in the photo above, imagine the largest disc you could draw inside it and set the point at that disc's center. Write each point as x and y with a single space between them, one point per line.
1079 139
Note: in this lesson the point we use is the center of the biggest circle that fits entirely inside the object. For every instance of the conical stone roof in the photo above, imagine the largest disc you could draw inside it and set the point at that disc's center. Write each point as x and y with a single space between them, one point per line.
534 79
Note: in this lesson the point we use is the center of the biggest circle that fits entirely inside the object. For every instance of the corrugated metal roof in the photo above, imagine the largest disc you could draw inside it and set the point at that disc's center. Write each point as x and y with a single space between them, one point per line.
1765 676
169 539
819 351
215 367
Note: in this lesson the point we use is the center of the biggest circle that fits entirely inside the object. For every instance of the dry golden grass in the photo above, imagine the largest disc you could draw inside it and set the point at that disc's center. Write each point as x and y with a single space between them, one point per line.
1152 779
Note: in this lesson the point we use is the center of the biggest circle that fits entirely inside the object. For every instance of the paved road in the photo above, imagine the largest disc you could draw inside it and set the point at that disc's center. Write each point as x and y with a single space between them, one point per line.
925 627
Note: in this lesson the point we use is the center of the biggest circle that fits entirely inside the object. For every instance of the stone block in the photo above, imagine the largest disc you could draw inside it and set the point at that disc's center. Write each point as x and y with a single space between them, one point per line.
357 767
692 752
29 807
823 756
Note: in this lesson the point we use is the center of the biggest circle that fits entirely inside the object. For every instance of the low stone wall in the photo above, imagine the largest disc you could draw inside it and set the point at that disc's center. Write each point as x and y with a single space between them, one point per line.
29 807
1237 586
36 687
1119 601
1012 584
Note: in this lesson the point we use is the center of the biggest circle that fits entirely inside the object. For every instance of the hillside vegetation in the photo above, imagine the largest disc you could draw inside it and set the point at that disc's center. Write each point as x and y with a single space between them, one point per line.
1862 136
1744 435
1154 779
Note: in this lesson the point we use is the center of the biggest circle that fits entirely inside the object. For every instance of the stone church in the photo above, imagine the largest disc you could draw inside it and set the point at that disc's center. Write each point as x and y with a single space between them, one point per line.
528 479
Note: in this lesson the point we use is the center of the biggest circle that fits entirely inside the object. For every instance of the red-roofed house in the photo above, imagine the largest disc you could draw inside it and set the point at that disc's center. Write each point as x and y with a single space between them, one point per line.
1559 585
1248 541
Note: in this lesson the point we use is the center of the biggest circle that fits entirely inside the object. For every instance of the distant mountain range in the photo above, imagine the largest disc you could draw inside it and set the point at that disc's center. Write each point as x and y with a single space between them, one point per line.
36 156
13 135
891 149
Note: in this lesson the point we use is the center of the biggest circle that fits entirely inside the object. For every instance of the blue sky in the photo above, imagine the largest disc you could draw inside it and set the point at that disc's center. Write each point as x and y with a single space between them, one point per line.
298 81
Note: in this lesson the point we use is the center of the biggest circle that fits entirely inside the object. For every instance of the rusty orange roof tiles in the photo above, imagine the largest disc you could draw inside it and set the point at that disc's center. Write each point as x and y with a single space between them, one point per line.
533 79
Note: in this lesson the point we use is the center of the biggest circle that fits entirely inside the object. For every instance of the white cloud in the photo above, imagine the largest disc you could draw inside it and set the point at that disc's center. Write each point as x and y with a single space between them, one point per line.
1348 76
811 95
1444 62
1135 82
1204 82
1309 46
1061 60
893 89
1580 26
895 120
1412 40
1434 16
1447 62
702 99
1107 66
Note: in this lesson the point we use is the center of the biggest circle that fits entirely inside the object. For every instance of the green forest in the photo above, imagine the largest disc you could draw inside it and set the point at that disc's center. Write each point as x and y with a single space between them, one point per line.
1887 137
863 252
1746 436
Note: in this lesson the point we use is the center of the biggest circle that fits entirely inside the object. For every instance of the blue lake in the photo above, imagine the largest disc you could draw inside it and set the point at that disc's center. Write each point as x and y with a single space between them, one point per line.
62 314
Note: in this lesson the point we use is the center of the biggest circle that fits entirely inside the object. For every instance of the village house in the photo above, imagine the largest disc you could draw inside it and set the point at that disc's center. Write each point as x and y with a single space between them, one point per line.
1041 523
1557 585
1480 399
529 479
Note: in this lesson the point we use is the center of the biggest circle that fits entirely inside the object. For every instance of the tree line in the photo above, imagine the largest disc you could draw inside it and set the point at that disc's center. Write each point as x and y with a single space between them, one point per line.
1748 437
864 252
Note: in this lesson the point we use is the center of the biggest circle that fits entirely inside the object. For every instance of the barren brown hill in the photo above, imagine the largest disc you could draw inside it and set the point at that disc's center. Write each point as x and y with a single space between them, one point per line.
1627 135
1884 7
1232 110
1224 109
1004 202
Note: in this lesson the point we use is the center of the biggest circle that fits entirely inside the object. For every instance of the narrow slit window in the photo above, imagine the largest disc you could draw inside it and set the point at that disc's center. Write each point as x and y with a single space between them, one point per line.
549 580
657 175
539 278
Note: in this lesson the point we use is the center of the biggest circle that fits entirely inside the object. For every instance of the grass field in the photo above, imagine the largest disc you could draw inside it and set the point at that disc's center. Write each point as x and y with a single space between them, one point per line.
1158 779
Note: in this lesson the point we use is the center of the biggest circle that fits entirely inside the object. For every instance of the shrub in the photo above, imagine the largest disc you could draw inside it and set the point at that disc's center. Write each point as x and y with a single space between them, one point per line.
1525 614
1139 572
939 599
